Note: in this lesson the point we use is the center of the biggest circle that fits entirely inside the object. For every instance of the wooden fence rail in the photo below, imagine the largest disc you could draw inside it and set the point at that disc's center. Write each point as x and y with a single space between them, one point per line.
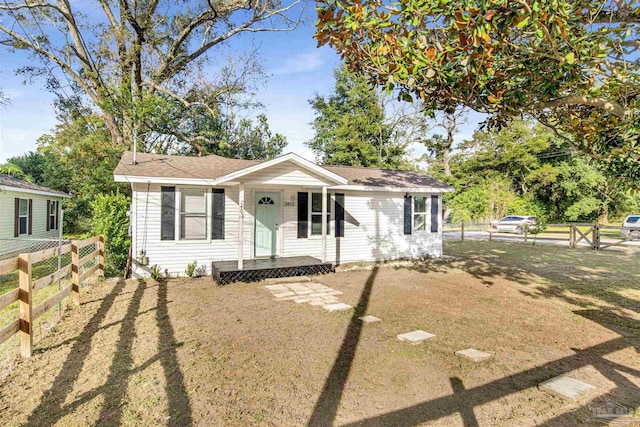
27 286
574 233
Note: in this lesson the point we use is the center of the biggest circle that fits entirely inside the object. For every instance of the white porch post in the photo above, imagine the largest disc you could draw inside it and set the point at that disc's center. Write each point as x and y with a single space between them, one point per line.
324 224
241 226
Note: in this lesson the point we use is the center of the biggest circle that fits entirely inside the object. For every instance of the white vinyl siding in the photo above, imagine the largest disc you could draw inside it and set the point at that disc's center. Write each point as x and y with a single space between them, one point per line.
373 228
10 244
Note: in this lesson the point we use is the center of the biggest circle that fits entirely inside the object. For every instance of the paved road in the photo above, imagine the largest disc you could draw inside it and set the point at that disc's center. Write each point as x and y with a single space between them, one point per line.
508 237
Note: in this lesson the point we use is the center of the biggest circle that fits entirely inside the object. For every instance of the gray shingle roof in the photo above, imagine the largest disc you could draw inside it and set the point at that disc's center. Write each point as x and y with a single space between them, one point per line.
18 184
212 167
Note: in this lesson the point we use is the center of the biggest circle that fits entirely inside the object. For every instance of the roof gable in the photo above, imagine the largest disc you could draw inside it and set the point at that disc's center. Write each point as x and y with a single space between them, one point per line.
330 177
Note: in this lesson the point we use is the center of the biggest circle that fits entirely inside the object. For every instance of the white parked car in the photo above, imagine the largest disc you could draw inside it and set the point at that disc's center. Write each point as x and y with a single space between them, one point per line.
514 224
631 226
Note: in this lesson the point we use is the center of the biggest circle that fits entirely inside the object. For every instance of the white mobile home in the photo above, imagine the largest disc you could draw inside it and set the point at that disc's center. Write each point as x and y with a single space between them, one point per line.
28 212
214 209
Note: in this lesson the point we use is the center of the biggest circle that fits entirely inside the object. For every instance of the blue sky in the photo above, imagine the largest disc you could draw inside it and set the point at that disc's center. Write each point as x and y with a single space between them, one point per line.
297 69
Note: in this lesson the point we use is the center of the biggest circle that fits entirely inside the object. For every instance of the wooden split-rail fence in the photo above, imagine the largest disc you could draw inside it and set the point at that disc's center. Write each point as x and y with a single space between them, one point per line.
596 236
27 286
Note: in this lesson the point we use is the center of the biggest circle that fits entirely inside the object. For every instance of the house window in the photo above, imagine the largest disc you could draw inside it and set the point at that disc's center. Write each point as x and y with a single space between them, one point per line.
52 215
23 221
419 213
316 214
193 214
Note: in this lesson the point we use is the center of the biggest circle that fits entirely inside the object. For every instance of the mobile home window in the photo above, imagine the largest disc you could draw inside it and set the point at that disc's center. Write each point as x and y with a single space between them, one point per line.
419 213
23 225
316 214
52 215
193 214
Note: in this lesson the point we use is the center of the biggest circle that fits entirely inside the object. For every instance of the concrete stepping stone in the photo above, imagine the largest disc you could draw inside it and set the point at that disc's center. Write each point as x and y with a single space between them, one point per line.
303 291
566 387
415 337
284 294
369 319
337 307
301 300
473 354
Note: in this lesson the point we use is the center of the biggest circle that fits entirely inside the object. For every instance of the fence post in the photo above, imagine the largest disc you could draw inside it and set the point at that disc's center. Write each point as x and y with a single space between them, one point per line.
26 305
490 231
596 236
101 256
75 273
525 233
462 231
571 236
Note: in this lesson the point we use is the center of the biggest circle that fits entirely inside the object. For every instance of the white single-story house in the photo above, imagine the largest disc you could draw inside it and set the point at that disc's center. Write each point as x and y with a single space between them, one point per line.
214 209
28 213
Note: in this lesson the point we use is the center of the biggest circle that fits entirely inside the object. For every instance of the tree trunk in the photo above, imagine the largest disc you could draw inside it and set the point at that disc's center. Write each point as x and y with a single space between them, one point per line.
446 151
116 136
446 160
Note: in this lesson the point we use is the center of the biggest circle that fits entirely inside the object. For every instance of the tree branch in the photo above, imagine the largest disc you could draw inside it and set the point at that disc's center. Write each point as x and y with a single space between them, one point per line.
604 104
175 63
180 99
625 15
47 53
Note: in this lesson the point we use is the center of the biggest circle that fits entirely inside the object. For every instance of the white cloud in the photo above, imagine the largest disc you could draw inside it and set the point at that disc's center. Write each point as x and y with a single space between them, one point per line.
300 63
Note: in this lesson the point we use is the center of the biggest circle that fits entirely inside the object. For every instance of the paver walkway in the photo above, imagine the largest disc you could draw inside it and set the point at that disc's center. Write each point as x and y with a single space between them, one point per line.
311 293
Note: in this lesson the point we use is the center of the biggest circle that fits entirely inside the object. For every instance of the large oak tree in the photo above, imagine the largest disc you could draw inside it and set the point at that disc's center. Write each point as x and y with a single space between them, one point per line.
572 64
154 66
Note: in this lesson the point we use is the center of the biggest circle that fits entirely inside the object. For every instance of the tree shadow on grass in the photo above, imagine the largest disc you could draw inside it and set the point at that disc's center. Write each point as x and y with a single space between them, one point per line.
326 408
52 408
177 396
463 401
549 271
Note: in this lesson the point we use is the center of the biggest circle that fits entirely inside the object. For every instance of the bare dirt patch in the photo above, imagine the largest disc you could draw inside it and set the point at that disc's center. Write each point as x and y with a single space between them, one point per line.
186 352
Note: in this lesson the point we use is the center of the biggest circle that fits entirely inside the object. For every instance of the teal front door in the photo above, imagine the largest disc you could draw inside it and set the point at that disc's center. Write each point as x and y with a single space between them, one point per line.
266 233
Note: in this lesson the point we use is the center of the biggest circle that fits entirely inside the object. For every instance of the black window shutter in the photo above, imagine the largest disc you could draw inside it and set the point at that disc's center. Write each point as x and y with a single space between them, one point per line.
30 216
303 215
16 224
47 216
407 214
217 230
434 214
168 212
58 215
339 214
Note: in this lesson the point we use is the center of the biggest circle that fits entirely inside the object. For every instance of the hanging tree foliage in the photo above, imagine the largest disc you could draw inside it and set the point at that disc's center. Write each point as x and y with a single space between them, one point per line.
571 64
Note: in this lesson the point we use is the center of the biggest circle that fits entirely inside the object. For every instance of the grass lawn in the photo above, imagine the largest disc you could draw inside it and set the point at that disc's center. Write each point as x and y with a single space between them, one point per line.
186 352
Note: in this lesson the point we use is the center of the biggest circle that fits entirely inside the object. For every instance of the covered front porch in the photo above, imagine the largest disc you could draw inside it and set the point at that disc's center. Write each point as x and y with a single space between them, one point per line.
254 270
